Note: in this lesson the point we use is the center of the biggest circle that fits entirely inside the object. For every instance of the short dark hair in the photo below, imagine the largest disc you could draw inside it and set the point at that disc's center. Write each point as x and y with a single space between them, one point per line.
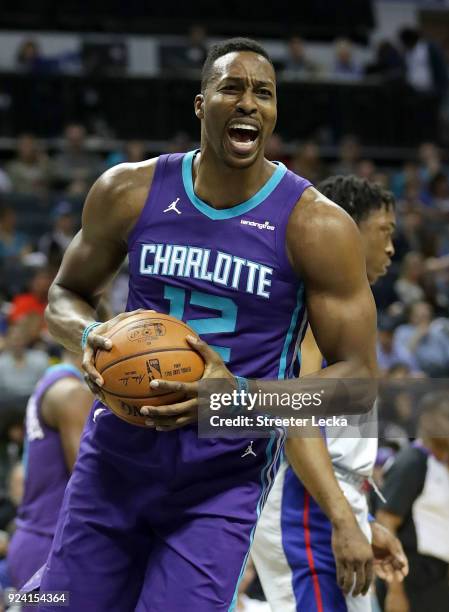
358 197
229 46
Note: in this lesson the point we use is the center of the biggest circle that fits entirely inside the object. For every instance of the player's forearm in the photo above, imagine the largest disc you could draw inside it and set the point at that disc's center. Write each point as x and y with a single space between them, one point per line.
343 389
67 315
309 458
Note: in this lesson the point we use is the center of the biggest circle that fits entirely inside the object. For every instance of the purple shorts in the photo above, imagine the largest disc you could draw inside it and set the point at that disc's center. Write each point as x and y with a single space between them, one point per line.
27 551
158 521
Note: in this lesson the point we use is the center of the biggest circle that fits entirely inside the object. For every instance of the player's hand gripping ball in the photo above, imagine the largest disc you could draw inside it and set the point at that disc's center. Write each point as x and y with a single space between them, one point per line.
146 346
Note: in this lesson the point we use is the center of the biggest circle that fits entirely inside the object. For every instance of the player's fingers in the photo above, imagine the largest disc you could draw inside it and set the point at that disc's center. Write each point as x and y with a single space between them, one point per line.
347 579
162 412
359 581
399 575
173 387
208 354
382 572
89 368
96 341
369 576
340 570
96 390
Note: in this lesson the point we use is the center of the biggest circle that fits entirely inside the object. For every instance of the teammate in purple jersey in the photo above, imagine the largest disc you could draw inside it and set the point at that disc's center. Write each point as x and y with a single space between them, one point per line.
232 244
55 417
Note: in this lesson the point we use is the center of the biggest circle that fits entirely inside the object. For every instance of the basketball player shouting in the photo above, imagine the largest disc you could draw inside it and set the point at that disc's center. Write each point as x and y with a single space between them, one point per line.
237 247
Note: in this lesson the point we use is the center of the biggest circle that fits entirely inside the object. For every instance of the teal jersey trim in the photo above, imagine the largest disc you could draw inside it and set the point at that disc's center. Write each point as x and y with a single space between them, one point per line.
289 336
239 209
65 366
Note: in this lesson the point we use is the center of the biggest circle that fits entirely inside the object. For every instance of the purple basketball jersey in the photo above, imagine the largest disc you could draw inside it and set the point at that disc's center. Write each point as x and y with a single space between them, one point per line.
46 473
143 507
224 272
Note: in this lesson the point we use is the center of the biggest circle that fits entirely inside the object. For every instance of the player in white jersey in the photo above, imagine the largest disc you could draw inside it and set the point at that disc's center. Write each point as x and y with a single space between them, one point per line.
292 549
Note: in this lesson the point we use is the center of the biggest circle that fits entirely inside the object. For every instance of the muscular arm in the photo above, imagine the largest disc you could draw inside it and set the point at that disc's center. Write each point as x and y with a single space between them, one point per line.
342 316
95 254
65 407
325 249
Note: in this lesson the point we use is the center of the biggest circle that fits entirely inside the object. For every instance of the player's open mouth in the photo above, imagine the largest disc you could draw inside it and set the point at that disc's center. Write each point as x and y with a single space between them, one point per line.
243 138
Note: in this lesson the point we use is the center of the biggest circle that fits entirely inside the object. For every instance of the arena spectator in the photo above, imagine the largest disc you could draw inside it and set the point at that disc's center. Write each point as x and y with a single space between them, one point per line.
387 64
20 367
416 231
14 245
298 64
366 169
187 56
134 151
416 489
420 343
308 163
348 156
275 150
54 243
430 161
5 182
196 48
408 286
34 301
425 67
387 356
439 193
345 66
75 168
29 57
29 171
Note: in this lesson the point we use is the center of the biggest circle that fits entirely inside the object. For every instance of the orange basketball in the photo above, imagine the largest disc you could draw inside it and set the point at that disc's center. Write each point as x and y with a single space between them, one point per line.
146 346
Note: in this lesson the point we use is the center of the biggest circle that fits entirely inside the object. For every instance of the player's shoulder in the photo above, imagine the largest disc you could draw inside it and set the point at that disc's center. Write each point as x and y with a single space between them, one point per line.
316 217
127 177
60 388
61 396
118 196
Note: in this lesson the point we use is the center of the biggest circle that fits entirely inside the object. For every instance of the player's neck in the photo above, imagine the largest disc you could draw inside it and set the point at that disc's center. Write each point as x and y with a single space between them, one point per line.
221 186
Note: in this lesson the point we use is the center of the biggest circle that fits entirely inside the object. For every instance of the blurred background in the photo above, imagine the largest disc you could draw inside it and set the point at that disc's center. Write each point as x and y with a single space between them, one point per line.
363 88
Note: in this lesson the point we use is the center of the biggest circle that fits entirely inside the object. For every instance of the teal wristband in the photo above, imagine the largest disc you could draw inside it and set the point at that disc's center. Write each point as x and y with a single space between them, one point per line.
242 383
86 333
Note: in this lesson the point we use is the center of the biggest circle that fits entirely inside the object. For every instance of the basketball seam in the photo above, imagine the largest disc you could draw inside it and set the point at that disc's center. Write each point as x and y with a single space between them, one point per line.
159 316
160 350
140 397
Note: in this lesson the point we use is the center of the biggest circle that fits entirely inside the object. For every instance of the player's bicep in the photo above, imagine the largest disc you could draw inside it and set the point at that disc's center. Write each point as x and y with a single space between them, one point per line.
98 249
88 266
344 326
327 252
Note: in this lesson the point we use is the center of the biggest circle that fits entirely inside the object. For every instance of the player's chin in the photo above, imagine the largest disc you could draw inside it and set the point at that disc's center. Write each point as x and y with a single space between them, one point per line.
238 156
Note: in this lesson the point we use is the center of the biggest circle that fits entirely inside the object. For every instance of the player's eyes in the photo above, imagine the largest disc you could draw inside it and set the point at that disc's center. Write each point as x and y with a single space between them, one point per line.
265 92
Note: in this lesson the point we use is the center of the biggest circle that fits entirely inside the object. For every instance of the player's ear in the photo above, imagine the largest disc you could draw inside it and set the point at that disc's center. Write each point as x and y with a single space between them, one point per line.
199 106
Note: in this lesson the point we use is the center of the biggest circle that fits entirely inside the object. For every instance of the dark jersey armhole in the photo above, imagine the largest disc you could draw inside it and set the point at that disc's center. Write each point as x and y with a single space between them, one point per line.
152 196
